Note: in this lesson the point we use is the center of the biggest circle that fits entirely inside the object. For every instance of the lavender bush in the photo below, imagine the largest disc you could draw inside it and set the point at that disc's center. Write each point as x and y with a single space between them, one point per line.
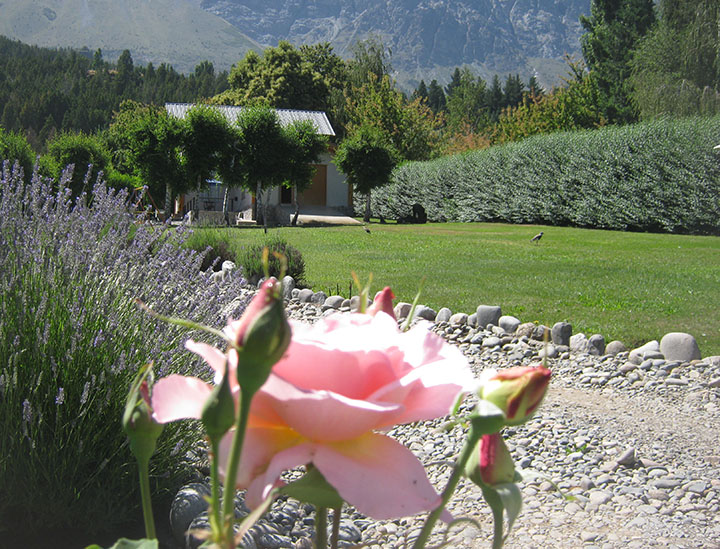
71 339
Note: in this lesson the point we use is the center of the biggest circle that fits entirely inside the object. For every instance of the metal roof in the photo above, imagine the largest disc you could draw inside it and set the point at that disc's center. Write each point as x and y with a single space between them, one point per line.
286 116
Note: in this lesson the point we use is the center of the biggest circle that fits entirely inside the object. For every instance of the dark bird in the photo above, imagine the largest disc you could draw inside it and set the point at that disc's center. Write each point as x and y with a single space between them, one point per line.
366 229
537 237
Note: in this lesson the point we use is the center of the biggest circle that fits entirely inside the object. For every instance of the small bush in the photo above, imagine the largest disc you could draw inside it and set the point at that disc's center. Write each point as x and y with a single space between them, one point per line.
71 339
252 264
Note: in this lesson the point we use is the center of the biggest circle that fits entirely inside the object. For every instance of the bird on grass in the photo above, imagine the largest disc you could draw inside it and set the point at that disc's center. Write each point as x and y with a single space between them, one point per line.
537 238
366 229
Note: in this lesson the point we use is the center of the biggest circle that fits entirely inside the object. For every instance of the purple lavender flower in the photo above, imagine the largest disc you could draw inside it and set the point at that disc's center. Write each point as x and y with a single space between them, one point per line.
60 398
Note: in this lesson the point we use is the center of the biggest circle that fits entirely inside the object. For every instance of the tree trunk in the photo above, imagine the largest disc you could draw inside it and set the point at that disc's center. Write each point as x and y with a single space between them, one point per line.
296 203
168 201
367 208
225 205
258 209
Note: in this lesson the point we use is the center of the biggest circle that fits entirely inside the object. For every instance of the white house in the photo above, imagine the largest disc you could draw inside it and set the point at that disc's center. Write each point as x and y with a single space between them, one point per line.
329 189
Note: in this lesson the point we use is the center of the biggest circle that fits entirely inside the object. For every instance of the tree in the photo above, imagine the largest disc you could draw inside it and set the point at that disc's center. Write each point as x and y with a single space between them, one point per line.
676 66
410 126
436 97
88 155
280 78
148 141
15 148
371 61
421 92
613 30
262 150
304 146
367 158
467 104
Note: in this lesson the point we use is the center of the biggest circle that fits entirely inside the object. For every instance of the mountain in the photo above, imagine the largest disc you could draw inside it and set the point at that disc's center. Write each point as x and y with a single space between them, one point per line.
428 38
176 32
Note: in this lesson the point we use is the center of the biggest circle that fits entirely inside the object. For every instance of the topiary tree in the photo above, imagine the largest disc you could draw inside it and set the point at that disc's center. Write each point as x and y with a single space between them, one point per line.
14 147
86 152
367 159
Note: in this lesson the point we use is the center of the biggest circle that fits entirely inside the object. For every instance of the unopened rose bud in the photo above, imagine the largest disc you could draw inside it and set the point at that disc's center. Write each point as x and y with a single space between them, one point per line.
142 430
516 391
262 335
383 302
218 414
490 462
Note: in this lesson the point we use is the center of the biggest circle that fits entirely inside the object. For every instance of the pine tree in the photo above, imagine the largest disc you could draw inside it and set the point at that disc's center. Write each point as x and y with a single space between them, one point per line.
613 29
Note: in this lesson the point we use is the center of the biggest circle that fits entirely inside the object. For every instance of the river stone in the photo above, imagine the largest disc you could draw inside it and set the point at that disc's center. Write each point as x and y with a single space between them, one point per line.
189 502
637 355
288 285
615 347
509 324
426 313
488 314
540 332
679 346
333 302
305 295
561 333
443 315
459 318
472 320
525 329
596 345
402 309
318 298
295 293
579 343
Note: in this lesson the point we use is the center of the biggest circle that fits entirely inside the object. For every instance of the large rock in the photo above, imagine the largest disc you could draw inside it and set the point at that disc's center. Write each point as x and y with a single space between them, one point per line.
189 502
637 355
288 285
596 345
525 329
305 295
402 310
443 315
560 333
579 343
318 298
488 314
679 346
509 324
539 332
459 318
426 313
615 347
333 302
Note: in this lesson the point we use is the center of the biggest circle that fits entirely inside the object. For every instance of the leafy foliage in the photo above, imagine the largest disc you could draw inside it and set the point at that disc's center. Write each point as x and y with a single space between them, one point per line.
86 153
613 29
661 176
71 341
252 260
15 148
45 91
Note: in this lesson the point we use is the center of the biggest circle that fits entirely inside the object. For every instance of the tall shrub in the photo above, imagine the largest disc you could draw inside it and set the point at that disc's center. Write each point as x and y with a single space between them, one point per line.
71 339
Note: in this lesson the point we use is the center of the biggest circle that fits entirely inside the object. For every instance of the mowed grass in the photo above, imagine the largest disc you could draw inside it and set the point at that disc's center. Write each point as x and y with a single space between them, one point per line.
634 287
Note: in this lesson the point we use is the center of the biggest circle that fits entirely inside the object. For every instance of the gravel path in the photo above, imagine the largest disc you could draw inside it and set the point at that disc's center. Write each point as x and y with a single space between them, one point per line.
628 456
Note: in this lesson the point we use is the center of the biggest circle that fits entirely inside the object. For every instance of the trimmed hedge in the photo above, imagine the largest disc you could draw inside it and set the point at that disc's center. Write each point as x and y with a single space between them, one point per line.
660 176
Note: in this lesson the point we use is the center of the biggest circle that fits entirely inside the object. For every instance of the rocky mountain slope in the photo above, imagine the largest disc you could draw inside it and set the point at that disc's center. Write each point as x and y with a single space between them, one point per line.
428 38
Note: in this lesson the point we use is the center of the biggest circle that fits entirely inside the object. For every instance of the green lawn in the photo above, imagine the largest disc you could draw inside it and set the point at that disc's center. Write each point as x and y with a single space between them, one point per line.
628 286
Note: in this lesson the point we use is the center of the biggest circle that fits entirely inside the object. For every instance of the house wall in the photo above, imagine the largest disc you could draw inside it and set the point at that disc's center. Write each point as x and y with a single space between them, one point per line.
337 188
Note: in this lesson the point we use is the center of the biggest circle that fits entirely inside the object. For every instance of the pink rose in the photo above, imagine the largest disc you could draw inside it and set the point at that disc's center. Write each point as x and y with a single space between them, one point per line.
339 384
517 391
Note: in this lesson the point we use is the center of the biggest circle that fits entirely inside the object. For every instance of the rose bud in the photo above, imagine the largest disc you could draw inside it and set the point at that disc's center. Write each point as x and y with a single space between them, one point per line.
516 391
262 335
142 430
490 462
218 413
383 302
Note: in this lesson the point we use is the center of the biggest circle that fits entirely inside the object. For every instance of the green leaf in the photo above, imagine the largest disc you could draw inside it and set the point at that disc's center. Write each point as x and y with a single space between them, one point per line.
313 488
511 500
487 418
124 543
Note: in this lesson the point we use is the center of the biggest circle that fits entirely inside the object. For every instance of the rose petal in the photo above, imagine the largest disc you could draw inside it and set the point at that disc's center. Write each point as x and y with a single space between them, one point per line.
179 397
213 356
319 415
377 475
